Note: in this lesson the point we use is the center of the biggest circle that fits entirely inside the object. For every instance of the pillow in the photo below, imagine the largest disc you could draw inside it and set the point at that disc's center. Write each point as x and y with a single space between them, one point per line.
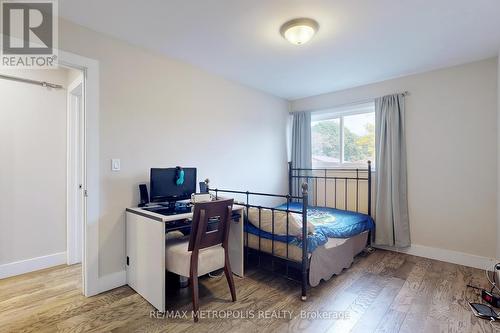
266 220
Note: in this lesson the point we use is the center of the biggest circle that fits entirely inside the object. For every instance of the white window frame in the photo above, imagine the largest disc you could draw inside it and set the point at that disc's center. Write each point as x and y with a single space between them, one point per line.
340 113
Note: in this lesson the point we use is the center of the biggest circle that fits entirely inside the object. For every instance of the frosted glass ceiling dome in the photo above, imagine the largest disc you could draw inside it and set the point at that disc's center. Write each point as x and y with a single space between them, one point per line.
299 31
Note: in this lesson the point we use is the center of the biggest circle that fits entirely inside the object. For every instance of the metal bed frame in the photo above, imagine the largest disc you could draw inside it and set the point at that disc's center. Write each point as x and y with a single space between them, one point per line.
302 177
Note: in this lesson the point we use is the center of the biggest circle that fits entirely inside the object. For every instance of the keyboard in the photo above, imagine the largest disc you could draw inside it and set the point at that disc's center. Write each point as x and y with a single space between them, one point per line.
169 211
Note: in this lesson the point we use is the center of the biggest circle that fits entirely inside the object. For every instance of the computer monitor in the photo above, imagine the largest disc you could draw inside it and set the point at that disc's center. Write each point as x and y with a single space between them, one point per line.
163 185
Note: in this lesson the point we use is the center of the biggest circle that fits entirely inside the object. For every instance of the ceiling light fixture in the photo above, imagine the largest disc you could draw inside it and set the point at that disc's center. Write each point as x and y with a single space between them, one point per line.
299 31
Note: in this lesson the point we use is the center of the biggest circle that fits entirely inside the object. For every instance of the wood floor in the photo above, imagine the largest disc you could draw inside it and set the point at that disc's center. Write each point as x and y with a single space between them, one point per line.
383 292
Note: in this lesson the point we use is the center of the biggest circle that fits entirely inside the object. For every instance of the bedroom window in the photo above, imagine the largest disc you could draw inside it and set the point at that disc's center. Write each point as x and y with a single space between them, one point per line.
344 136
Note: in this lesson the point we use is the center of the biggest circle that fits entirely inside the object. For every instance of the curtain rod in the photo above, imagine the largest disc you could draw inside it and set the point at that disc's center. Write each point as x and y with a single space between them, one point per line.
38 83
366 100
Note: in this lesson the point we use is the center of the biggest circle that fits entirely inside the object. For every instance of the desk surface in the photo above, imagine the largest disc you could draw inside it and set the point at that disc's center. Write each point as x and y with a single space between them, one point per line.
167 218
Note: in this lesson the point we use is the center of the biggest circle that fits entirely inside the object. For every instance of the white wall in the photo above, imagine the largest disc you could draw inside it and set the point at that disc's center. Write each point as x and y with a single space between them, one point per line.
32 167
452 153
159 112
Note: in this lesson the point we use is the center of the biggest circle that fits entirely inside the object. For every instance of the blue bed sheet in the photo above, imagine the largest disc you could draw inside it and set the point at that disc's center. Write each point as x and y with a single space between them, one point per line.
328 223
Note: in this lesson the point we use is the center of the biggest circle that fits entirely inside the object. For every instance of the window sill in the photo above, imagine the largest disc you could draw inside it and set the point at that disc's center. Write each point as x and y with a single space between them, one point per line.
344 167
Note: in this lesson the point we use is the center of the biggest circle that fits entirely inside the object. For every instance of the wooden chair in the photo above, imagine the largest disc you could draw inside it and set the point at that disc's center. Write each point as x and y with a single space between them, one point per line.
206 250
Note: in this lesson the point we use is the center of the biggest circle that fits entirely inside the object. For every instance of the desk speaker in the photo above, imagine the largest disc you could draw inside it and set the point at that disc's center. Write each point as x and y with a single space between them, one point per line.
143 189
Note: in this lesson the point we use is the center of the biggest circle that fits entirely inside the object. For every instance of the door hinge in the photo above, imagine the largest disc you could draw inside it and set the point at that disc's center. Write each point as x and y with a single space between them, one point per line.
85 193
128 261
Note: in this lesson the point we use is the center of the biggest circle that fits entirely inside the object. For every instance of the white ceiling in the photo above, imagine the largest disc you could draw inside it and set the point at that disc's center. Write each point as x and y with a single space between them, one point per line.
359 41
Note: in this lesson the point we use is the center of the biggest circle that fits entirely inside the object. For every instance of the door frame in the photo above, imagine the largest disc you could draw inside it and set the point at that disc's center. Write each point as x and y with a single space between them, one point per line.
75 146
90 110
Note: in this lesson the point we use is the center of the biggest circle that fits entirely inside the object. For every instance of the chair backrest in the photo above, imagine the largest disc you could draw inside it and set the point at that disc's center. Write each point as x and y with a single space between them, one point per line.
200 237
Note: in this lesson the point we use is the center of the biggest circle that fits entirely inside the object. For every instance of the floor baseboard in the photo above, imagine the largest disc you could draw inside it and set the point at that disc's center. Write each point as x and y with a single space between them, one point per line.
118 279
31 265
450 256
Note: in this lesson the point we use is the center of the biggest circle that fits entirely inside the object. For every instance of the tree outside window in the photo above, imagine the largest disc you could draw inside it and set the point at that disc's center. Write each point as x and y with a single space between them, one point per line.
344 139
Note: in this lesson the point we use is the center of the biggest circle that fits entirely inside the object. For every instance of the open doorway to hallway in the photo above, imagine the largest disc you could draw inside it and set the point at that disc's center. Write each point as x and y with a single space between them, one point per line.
42 169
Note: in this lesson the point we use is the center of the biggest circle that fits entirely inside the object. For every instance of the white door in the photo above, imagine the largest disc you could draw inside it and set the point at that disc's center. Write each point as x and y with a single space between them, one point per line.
76 195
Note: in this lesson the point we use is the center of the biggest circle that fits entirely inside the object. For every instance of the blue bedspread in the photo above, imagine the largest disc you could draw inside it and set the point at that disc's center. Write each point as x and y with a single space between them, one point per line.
328 223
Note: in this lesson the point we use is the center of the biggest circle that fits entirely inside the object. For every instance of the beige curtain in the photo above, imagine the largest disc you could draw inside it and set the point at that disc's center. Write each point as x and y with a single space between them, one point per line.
391 214
301 148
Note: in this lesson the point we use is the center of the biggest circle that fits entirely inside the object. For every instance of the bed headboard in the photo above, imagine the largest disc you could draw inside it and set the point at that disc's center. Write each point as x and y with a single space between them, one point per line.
334 187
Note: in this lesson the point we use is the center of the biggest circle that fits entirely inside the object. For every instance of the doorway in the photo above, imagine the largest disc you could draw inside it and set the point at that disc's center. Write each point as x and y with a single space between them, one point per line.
45 245
34 168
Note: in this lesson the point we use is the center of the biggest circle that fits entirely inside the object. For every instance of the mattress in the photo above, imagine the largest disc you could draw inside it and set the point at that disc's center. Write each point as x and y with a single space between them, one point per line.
335 223
326 223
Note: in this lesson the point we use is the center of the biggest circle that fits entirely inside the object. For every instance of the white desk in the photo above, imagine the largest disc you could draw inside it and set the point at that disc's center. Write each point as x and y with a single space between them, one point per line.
145 251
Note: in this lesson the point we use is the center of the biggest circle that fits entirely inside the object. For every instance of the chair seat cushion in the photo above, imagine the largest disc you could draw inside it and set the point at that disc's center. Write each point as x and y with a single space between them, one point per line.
178 258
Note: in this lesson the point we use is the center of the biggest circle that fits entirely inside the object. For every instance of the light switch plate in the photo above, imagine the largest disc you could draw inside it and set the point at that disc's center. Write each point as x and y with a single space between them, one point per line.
115 164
